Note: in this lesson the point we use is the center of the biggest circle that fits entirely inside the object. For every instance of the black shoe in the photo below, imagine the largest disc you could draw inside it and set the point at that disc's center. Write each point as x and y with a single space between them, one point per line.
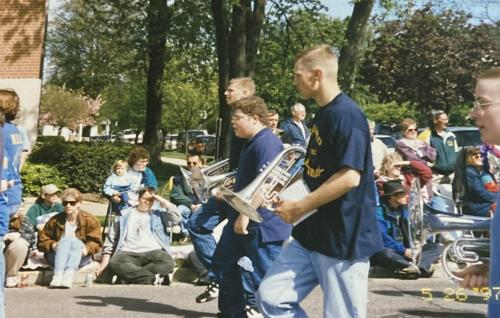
203 280
211 293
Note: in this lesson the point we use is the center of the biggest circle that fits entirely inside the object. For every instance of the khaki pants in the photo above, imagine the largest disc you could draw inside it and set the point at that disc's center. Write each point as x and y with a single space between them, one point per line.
15 255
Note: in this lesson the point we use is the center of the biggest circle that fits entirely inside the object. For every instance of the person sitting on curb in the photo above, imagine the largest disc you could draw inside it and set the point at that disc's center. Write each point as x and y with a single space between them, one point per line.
69 239
184 195
393 221
47 202
18 241
140 243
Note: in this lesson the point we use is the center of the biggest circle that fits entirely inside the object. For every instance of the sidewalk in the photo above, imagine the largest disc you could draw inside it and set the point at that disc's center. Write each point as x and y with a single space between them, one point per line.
174 161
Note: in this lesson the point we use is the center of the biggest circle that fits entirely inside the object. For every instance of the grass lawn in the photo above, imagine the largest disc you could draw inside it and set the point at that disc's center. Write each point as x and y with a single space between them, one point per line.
182 155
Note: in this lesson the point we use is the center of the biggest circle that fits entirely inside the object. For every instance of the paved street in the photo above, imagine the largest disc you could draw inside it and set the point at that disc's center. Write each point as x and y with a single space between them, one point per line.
388 298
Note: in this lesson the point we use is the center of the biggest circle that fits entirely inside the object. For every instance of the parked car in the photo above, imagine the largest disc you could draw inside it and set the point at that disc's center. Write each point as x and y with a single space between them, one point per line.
191 134
203 144
170 142
466 136
389 141
128 135
110 138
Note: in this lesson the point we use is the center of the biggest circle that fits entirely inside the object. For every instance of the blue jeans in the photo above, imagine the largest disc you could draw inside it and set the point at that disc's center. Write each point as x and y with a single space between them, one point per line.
201 226
68 255
233 293
185 216
297 271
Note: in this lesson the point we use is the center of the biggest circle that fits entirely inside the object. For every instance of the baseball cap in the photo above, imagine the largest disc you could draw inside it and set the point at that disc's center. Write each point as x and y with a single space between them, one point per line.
50 189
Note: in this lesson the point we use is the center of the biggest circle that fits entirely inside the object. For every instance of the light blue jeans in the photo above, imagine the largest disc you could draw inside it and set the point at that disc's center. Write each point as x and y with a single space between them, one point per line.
68 255
185 214
298 270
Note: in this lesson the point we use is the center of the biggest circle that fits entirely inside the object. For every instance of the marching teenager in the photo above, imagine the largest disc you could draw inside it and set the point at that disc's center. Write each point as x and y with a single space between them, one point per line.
332 247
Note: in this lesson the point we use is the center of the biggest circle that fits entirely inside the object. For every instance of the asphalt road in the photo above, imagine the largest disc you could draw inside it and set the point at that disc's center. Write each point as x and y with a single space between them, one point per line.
388 298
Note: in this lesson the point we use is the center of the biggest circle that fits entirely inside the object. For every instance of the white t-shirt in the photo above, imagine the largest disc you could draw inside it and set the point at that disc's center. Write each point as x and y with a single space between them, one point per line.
139 238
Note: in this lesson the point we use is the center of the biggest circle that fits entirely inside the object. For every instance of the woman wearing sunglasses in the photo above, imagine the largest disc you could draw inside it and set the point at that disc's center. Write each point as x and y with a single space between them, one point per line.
69 239
411 148
480 187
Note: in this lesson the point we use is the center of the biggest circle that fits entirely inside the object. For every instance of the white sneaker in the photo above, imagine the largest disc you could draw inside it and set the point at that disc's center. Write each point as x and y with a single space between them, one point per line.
253 312
56 279
67 279
158 280
11 282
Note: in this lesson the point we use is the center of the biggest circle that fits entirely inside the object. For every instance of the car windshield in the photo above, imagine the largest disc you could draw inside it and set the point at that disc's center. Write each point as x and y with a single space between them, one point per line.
468 137
388 141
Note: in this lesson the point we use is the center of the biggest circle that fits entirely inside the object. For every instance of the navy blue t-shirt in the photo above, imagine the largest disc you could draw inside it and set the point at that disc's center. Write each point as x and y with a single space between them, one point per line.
345 228
257 152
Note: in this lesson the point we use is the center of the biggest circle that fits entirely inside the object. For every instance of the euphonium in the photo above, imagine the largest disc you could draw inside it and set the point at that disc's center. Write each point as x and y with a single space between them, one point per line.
205 179
424 222
264 189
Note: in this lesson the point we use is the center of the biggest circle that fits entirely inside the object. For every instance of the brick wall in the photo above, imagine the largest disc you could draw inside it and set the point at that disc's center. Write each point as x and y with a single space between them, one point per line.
22 33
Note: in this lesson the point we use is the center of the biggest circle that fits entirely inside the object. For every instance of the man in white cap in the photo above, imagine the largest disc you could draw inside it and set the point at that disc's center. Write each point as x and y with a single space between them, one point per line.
46 203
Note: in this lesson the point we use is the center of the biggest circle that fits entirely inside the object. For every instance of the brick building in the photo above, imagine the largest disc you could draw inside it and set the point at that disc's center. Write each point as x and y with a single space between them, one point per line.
22 39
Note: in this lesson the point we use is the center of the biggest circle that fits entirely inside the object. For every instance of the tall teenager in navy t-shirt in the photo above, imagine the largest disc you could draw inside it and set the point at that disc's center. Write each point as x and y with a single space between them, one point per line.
259 242
486 114
332 247
202 223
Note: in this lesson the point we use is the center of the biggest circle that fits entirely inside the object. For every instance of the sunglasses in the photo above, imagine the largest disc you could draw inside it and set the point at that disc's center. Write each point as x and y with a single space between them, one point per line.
72 203
411 129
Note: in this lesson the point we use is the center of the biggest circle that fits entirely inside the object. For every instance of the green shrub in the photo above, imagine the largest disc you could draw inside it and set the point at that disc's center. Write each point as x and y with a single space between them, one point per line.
85 166
34 176
44 139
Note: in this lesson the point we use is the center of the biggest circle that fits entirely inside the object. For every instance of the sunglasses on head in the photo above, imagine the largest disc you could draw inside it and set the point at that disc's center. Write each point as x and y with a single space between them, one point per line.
72 203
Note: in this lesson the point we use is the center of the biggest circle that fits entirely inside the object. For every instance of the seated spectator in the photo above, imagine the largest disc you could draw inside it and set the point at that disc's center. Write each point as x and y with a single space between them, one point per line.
18 241
139 174
139 241
69 239
379 149
479 187
397 255
46 203
394 168
411 148
184 195
118 186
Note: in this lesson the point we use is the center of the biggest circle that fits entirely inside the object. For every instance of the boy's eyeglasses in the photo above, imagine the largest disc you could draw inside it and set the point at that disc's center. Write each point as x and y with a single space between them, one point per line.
483 106
72 203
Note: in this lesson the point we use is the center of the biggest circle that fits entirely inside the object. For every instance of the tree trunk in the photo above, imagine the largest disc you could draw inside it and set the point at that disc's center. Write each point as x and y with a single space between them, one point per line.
157 25
222 46
254 27
352 51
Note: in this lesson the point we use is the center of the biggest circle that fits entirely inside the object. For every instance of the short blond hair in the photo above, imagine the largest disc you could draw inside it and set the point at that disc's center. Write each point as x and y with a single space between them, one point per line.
319 55
119 163
388 162
245 83
71 192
